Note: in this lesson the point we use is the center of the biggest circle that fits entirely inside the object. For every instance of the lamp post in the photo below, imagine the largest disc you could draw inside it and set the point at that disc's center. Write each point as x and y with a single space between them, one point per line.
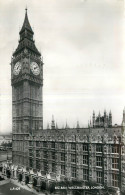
7 154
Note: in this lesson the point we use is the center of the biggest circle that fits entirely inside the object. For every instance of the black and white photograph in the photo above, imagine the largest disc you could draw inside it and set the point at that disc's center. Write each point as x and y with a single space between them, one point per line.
62 97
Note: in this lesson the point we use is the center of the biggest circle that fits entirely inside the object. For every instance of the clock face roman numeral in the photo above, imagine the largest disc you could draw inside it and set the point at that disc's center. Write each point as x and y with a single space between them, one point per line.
35 68
17 68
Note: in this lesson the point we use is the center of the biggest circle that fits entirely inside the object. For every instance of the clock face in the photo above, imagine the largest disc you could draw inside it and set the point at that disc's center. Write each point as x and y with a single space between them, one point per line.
17 68
35 68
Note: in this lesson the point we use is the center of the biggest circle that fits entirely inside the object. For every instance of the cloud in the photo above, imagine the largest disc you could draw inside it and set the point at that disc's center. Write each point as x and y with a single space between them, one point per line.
82 47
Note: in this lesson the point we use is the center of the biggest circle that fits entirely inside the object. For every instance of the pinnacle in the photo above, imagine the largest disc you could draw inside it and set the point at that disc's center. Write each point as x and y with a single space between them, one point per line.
26 24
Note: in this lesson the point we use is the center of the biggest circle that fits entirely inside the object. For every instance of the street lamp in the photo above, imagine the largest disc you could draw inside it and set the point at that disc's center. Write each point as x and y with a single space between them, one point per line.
7 154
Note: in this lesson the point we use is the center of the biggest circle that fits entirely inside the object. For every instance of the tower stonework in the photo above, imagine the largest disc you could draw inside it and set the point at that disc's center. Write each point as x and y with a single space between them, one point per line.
27 82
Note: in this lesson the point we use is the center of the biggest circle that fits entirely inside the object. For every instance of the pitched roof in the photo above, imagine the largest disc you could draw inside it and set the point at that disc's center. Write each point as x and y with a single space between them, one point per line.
26 24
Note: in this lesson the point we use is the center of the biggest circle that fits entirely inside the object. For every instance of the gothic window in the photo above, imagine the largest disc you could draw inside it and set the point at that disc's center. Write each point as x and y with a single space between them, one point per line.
73 158
73 137
45 144
52 144
37 164
73 172
115 163
37 153
53 167
53 155
115 149
98 148
99 176
44 154
62 156
33 109
99 161
123 150
37 144
30 162
85 147
17 110
85 174
62 169
85 159
115 180
62 145
30 152
73 146
45 168
84 137
30 143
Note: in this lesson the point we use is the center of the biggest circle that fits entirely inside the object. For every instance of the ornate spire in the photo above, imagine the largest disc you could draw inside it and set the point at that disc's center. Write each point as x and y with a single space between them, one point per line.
26 38
124 111
53 123
56 126
77 126
48 126
124 115
110 113
88 124
66 127
26 24
105 112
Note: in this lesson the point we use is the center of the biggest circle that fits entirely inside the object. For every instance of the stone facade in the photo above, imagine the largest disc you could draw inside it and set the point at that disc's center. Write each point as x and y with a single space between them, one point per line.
78 154
102 121
93 155
26 81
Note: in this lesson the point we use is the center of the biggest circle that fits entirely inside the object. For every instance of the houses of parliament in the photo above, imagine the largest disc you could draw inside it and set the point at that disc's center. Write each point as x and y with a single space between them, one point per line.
95 154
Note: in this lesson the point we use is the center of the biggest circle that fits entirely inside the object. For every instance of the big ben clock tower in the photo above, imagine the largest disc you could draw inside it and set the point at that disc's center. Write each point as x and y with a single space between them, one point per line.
27 82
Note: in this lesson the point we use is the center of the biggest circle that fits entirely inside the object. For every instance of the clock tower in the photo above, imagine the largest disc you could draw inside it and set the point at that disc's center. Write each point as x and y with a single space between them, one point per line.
27 82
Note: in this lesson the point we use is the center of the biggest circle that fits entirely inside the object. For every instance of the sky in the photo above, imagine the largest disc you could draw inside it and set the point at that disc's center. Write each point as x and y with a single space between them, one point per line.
82 44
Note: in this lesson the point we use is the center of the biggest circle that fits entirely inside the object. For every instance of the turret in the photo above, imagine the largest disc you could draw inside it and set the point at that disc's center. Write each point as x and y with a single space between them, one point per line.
123 122
88 124
93 119
53 123
67 126
105 118
77 126
48 126
99 124
56 126
110 119
104 112
124 115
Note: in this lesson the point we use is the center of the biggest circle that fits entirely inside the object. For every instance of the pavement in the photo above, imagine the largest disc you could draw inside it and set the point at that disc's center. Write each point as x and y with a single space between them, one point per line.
26 187
13 187
4 182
